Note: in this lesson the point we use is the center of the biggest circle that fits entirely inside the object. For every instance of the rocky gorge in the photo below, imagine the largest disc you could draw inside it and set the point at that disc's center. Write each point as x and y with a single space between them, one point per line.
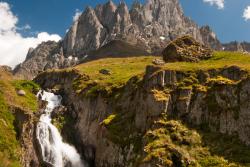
113 129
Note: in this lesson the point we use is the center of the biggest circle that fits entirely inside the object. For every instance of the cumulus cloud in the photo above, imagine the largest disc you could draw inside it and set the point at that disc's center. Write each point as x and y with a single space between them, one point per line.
219 3
77 15
7 19
13 46
246 13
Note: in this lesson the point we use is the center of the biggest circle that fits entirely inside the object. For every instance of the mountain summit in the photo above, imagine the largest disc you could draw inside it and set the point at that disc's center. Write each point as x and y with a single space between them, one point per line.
149 26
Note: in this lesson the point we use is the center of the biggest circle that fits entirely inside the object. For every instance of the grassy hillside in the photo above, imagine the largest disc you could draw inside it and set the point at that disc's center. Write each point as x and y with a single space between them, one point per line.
219 60
169 138
10 150
122 69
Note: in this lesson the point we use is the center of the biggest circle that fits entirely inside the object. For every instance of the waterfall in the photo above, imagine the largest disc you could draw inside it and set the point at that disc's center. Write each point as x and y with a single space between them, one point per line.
54 151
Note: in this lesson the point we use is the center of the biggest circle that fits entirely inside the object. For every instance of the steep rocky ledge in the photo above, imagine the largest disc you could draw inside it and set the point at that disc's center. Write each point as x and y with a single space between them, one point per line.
18 106
168 117
24 124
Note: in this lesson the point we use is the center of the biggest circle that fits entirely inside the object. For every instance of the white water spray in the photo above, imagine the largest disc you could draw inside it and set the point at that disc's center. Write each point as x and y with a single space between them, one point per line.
54 151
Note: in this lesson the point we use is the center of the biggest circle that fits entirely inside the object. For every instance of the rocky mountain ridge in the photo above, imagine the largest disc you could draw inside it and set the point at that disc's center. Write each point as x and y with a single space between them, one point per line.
237 46
149 26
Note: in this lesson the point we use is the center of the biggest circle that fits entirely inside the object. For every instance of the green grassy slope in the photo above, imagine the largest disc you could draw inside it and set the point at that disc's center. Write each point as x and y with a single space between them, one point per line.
122 69
219 60
169 137
10 150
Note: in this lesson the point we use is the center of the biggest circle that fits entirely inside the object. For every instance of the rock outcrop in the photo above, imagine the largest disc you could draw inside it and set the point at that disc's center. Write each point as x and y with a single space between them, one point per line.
46 56
237 46
17 121
209 38
186 49
6 68
110 130
149 27
25 127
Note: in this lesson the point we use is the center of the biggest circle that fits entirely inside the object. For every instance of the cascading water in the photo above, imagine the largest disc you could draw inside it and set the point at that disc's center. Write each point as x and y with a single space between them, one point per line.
54 151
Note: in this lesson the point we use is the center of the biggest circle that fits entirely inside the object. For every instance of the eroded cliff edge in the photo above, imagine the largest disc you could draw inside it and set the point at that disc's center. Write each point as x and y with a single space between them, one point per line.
18 116
166 117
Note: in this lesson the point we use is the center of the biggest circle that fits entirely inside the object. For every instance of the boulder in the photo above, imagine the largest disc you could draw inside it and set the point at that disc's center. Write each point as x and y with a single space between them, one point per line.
21 92
186 49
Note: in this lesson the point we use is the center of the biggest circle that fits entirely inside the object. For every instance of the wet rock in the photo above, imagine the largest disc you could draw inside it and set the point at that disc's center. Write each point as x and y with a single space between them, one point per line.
186 49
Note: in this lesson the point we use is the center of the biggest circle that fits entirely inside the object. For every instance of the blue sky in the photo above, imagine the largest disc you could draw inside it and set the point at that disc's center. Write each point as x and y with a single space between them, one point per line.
26 23
228 23
55 16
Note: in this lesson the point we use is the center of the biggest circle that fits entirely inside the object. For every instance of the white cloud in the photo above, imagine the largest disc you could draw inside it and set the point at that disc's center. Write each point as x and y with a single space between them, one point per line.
246 14
13 46
219 3
26 27
7 19
77 15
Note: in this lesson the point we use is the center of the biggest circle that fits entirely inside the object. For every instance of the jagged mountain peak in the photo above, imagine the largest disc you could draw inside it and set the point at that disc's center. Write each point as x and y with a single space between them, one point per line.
136 4
108 7
123 10
209 37
150 25
88 11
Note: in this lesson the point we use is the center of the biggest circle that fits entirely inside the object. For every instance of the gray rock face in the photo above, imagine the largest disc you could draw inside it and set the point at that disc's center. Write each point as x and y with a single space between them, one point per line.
209 38
150 26
222 107
90 33
237 46
47 55
6 68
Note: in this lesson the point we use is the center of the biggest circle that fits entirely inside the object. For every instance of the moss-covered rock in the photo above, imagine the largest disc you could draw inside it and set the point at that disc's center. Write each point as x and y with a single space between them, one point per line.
118 120
186 49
